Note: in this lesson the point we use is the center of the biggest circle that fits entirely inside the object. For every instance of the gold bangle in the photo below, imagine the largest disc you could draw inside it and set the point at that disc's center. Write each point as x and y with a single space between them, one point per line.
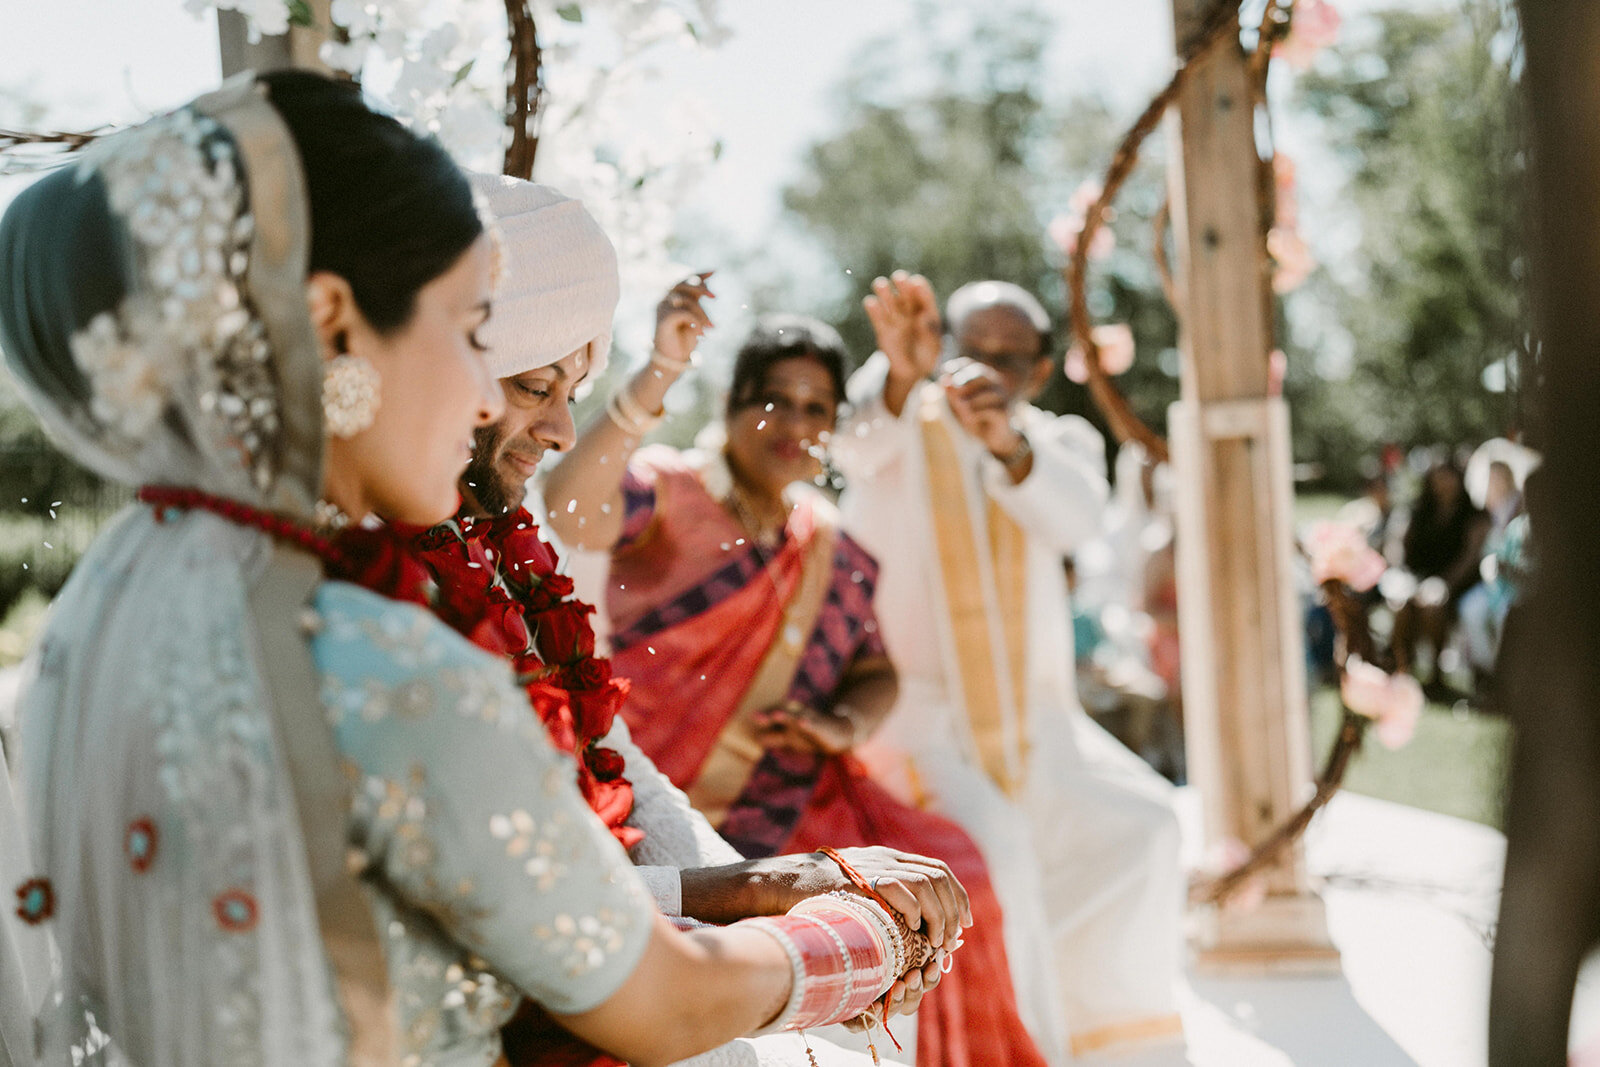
630 406
660 359
629 415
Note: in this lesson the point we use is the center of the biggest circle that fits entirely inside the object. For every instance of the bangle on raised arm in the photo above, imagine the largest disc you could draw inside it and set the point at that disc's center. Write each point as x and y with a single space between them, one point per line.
630 415
660 359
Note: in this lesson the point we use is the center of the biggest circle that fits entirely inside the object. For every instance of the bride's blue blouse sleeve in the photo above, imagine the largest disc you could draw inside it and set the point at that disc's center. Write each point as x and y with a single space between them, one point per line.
464 810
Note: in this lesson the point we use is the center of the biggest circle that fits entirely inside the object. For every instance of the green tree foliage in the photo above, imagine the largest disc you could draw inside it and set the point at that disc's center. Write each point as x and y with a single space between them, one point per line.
1421 109
958 177
934 181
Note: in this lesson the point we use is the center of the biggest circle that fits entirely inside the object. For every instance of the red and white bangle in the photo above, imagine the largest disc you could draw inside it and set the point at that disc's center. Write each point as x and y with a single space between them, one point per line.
843 957
797 985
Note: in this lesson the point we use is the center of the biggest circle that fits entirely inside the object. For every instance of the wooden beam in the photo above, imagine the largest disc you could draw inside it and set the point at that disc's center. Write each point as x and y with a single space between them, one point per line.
300 47
1243 656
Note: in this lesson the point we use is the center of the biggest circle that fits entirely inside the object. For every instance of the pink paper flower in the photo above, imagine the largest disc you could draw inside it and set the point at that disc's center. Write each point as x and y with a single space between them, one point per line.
1340 553
1315 27
1291 258
1392 701
1228 855
1084 196
1287 200
1115 342
1588 1056
1064 231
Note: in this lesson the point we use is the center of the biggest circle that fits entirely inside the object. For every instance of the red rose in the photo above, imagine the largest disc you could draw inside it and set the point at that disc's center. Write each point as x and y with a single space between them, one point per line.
436 537
525 664
587 673
524 555
457 602
551 705
501 630
382 560
563 632
606 763
613 801
594 710
544 593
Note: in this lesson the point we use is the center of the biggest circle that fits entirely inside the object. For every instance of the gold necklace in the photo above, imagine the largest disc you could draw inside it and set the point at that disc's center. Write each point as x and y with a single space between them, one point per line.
764 534
763 540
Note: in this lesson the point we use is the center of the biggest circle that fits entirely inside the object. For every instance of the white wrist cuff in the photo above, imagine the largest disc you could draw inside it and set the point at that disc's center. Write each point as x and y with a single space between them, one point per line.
665 884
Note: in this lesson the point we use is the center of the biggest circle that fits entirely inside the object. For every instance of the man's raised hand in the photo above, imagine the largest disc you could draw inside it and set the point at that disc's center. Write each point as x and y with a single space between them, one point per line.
905 316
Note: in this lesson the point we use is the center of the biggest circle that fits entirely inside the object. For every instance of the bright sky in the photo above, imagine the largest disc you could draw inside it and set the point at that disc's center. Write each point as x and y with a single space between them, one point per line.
94 61
767 88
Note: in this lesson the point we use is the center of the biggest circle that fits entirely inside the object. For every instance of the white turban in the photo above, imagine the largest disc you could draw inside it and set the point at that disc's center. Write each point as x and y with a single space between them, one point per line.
559 289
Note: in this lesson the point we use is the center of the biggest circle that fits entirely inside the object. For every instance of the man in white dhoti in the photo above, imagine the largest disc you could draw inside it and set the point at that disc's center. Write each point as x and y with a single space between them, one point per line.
969 497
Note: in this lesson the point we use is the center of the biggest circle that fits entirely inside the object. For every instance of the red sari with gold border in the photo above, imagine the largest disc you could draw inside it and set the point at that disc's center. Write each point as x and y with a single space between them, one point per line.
709 629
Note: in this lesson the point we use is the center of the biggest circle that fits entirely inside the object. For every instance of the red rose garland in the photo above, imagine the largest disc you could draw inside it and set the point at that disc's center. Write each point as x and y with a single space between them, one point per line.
528 617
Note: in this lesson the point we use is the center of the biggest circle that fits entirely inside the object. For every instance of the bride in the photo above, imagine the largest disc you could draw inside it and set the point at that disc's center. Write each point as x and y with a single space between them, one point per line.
275 818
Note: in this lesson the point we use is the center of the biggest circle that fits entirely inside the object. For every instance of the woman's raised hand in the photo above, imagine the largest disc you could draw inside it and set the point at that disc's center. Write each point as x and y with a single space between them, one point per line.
681 320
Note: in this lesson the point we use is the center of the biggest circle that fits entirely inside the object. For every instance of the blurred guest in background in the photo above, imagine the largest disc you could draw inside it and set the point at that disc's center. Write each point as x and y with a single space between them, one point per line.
1494 479
1442 547
743 616
970 496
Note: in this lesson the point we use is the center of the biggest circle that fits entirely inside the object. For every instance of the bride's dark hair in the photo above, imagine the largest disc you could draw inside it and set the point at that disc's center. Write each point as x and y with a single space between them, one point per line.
390 211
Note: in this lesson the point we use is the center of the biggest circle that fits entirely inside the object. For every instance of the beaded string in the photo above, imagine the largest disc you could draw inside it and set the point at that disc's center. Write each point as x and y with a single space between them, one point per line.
871 1048
856 879
163 497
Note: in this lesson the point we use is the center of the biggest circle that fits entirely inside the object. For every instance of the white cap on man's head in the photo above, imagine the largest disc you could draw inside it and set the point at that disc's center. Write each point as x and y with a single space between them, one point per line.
559 289
976 296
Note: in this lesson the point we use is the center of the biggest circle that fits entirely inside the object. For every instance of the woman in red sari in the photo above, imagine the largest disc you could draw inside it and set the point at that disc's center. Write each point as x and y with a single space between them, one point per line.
743 617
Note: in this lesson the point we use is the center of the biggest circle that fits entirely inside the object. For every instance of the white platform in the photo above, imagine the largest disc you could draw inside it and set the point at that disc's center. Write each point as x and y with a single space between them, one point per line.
1411 899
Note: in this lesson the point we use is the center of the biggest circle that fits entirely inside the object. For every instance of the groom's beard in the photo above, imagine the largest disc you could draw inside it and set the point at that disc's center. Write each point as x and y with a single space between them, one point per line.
483 486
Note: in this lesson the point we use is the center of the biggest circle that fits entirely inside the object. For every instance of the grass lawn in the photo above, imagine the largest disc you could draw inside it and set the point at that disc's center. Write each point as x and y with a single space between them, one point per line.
1309 507
1458 760
1456 764
21 626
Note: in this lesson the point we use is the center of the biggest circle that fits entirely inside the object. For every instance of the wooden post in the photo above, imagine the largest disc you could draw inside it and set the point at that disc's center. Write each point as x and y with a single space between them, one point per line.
1243 655
297 48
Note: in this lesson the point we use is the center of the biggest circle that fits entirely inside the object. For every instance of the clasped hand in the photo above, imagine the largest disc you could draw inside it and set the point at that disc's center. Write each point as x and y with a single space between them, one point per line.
799 728
923 890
